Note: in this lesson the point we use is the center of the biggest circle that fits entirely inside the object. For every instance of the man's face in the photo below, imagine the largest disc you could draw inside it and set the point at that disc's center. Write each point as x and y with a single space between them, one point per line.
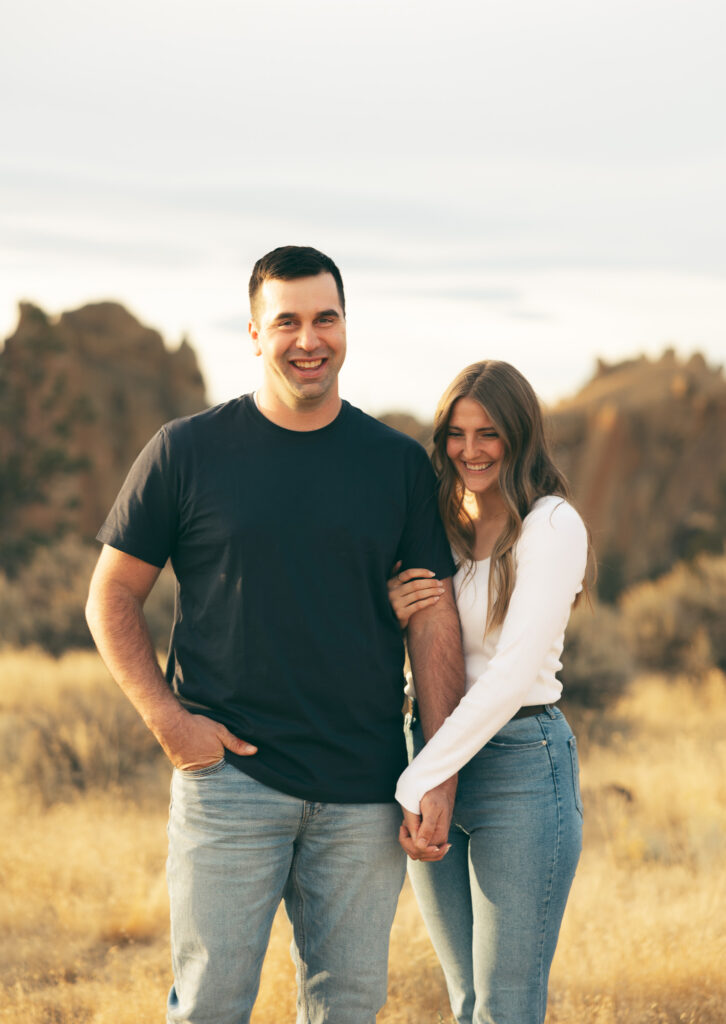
299 330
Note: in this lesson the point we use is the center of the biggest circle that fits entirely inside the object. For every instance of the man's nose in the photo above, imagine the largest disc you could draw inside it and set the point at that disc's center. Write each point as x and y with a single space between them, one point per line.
307 339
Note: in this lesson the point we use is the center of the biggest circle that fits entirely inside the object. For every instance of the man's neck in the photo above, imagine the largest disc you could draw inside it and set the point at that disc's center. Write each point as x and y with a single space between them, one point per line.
302 417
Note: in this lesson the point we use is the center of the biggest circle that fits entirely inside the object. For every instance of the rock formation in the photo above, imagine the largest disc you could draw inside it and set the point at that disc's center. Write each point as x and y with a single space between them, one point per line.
643 445
79 396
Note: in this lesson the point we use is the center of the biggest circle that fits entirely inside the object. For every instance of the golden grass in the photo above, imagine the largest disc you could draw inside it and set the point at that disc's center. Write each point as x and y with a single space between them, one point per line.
83 915
65 727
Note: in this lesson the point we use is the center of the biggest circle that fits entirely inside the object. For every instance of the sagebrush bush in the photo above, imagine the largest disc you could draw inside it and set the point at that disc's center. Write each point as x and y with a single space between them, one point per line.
677 622
43 605
596 662
65 726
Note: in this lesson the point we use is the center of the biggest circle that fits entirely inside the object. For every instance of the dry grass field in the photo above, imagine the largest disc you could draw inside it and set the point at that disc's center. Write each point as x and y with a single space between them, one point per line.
83 915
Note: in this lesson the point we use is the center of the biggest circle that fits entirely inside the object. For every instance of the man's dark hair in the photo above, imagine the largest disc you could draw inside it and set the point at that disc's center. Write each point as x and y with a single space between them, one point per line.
289 262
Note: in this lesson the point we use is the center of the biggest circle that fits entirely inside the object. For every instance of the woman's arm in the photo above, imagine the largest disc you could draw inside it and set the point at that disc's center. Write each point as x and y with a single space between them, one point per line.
551 556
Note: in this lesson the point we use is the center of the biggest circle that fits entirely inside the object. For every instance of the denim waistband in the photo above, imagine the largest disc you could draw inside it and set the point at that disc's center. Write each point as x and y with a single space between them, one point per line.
551 710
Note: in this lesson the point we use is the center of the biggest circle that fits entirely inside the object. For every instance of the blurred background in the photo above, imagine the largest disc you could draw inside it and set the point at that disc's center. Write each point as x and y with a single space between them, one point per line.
541 183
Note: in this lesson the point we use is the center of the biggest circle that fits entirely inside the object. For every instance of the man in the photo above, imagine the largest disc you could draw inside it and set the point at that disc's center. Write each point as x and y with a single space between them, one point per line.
282 514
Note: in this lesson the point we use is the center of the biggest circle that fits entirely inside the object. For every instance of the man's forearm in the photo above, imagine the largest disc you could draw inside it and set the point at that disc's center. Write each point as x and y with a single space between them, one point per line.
118 626
437 660
119 587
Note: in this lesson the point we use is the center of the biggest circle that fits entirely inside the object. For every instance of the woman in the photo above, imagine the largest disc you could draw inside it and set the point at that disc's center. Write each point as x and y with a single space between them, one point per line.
494 904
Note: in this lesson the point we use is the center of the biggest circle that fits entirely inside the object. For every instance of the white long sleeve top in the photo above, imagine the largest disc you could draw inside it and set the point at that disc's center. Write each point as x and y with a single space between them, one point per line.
515 664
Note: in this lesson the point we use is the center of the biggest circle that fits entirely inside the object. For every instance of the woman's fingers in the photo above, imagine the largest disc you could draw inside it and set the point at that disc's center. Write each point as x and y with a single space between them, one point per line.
398 583
421 588
412 590
397 578
433 853
417 606
412 574
430 853
416 590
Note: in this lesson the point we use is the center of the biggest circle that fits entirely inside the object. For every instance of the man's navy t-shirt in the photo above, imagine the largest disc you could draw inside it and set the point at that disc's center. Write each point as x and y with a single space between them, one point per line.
282 542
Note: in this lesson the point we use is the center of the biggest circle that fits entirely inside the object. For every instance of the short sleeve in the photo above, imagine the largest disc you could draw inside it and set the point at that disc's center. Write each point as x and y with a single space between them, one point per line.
144 519
423 543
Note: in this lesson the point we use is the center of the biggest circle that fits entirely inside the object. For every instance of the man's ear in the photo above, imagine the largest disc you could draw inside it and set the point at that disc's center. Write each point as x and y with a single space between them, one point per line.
255 336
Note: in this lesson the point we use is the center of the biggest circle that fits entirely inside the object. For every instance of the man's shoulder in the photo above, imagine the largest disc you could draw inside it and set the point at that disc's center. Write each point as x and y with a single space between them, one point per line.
207 422
378 431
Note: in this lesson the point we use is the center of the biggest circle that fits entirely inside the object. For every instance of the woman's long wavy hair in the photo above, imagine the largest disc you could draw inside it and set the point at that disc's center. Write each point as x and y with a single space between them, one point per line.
526 472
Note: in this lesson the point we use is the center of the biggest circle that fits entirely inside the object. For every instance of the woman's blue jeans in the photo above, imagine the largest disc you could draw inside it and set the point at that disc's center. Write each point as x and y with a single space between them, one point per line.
493 906
237 848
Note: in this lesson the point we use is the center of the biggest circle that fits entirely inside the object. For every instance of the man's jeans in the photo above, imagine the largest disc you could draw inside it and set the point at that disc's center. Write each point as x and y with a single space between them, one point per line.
236 849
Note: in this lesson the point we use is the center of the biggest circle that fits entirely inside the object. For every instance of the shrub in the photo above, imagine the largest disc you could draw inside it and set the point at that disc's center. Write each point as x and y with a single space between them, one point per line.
676 623
65 726
43 605
596 662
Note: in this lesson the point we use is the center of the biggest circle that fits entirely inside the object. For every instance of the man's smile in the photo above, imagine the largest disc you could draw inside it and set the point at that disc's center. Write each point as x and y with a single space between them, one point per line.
307 364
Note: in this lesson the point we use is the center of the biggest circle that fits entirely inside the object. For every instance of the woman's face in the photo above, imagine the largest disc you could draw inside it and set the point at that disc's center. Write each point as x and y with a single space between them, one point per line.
474 447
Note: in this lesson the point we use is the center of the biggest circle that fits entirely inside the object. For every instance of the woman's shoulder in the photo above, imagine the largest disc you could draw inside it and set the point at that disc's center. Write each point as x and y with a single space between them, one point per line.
552 516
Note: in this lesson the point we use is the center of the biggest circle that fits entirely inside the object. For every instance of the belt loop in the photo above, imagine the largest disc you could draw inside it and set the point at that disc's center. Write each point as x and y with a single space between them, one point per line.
551 710
410 710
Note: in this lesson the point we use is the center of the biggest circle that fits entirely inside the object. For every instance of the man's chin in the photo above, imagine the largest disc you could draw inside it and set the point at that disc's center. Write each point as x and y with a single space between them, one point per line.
313 391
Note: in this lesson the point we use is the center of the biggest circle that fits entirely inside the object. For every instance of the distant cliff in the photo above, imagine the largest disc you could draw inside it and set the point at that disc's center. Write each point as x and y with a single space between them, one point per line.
643 445
79 396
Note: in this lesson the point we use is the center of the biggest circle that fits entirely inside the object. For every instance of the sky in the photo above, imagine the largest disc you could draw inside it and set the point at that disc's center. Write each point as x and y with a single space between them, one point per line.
537 182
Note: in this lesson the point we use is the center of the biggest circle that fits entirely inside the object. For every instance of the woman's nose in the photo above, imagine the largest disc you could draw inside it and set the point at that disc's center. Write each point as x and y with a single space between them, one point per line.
470 449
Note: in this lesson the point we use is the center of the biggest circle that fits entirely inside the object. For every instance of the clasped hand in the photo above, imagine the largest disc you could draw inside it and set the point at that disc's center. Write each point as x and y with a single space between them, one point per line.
425 836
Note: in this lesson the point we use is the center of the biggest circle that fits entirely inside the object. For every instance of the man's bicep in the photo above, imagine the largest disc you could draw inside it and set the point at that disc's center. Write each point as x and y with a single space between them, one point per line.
118 569
423 543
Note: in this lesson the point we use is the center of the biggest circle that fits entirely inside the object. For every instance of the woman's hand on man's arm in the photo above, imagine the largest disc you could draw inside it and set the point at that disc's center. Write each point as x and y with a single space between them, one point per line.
412 590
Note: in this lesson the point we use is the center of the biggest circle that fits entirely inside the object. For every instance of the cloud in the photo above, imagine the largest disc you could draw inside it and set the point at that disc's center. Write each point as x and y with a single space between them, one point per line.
463 293
34 241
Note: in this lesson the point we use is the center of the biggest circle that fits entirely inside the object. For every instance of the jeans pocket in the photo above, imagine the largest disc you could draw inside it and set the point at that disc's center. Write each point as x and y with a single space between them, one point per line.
201 773
516 748
575 762
516 737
